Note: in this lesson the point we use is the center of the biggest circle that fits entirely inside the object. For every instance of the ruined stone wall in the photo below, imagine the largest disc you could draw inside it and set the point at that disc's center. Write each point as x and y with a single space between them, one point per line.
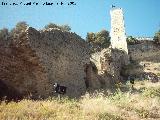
109 63
20 68
146 55
33 61
95 58
145 51
112 61
63 55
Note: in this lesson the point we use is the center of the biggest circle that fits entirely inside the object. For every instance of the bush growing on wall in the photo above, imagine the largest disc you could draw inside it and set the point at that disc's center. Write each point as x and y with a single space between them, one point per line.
131 40
61 27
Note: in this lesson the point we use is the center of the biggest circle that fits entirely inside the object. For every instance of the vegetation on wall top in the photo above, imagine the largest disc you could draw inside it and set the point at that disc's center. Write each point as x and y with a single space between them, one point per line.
22 26
131 40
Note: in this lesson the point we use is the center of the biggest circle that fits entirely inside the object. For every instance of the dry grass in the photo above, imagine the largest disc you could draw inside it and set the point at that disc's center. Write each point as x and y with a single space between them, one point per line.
141 103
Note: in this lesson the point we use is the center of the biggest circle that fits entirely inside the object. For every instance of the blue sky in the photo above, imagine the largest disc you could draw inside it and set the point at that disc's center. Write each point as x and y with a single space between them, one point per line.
142 17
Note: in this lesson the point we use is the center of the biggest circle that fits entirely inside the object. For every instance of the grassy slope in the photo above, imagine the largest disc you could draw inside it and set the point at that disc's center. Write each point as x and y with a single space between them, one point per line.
141 103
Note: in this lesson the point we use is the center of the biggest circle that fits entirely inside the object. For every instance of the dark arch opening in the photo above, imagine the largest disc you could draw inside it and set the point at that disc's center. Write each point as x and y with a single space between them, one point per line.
89 69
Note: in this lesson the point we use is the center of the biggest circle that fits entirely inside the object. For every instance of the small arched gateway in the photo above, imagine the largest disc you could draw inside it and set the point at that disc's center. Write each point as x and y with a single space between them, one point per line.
92 78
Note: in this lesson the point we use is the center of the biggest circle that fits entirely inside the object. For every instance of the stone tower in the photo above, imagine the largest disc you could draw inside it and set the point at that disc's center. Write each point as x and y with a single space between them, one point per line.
118 35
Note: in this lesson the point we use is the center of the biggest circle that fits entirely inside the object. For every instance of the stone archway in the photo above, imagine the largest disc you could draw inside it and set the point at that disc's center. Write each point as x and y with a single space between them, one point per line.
92 77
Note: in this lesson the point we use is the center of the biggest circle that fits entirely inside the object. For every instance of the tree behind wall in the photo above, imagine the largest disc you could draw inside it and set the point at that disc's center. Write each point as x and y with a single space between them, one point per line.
98 41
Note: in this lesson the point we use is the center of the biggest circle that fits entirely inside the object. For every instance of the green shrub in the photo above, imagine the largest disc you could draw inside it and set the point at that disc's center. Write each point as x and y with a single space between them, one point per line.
142 113
131 40
151 92
158 74
108 116
119 98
